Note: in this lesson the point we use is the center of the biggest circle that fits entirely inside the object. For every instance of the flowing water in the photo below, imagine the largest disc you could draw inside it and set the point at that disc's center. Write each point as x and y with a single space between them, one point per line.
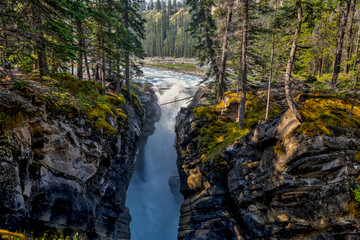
154 208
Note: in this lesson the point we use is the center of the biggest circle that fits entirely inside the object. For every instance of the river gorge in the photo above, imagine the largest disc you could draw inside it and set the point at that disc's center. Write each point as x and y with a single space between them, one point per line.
140 167
154 206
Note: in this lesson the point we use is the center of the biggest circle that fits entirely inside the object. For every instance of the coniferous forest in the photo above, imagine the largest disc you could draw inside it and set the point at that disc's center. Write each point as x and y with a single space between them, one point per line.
167 33
259 97
98 39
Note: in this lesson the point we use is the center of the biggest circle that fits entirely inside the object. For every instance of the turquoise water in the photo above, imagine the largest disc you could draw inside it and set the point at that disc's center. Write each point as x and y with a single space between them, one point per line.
155 210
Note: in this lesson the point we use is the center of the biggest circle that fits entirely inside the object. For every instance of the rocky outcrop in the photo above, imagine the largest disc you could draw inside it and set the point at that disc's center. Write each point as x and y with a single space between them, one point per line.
292 186
58 172
276 184
206 212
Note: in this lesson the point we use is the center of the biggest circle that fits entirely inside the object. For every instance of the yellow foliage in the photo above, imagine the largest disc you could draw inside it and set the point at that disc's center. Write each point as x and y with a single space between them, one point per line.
102 124
219 139
10 235
115 99
229 98
121 115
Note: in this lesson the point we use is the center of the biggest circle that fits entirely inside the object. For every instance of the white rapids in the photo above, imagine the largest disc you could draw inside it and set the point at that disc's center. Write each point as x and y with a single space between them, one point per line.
154 209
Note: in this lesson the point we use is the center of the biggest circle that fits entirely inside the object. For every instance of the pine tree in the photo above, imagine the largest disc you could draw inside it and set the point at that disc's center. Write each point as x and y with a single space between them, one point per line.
203 27
291 60
244 64
340 43
222 71
158 5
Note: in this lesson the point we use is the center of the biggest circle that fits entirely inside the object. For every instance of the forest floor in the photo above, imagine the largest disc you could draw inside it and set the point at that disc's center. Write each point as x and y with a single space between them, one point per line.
183 65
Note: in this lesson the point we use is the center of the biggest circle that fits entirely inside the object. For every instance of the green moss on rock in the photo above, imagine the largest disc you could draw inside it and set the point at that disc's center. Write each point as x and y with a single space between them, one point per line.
66 95
219 132
325 114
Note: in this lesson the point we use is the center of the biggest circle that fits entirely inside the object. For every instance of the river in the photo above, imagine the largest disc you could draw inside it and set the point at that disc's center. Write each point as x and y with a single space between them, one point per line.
154 208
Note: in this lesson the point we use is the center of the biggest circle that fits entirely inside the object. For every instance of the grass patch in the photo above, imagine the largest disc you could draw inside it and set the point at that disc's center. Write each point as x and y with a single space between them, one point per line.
327 114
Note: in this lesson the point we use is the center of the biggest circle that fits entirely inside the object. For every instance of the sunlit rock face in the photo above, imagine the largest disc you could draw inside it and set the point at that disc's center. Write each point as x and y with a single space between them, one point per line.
286 185
276 184
206 212
58 172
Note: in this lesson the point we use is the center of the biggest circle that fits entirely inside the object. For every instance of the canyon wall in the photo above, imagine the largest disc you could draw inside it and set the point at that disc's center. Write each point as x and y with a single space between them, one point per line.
59 172
274 183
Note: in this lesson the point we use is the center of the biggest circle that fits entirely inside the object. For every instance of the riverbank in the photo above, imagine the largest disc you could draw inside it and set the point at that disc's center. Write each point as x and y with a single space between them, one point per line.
183 65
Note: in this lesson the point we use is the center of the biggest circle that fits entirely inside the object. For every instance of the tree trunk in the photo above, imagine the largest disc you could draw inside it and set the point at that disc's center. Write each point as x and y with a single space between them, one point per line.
86 61
222 72
321 66
43 65
357 79
244 65
102 63
97 75
340 43
40 44
80 53
118 79
127 54
357 41
103 67
291 61
349 36
87 67
355 94
109 52
271 66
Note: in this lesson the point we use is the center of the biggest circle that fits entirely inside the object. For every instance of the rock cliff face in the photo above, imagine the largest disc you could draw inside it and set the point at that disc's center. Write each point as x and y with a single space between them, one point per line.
274 183
59 172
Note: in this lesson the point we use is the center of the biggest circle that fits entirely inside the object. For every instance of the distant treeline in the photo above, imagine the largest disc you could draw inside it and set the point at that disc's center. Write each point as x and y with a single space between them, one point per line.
166 30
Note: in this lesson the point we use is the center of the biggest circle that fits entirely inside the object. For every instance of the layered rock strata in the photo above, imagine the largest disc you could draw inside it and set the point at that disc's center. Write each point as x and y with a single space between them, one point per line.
276 184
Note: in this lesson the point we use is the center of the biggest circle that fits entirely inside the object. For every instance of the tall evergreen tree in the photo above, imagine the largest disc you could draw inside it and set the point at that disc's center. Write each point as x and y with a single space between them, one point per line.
244 64
203 27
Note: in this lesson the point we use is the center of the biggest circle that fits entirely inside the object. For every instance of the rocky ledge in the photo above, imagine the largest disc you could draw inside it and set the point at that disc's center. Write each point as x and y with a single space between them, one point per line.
61 173
274 183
